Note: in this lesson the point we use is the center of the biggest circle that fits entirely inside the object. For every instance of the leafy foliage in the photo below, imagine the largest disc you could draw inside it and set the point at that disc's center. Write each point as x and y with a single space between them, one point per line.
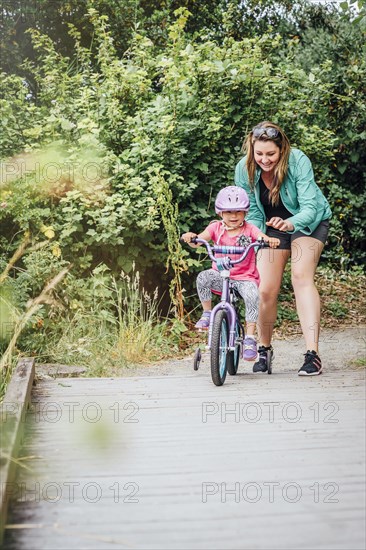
111 149
339 43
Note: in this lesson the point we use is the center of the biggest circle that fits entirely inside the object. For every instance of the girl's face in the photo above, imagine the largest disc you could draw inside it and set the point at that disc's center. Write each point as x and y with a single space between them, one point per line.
233 219
266 155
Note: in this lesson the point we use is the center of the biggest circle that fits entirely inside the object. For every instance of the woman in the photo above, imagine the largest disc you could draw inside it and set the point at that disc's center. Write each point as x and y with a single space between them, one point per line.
286 203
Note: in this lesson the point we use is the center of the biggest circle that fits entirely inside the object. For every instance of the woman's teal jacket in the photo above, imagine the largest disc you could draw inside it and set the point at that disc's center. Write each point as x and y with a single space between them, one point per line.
299 193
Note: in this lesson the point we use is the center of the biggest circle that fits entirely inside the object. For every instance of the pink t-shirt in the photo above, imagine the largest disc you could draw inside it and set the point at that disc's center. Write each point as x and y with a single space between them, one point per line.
247 269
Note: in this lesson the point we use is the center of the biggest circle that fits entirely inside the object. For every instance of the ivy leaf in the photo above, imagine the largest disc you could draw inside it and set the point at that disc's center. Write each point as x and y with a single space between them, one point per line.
203 166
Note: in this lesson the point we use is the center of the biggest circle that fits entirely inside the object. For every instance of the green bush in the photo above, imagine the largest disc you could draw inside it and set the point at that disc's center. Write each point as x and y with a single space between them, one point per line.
88 136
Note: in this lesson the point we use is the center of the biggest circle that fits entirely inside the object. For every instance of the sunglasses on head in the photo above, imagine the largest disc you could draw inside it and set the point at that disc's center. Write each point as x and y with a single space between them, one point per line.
270 132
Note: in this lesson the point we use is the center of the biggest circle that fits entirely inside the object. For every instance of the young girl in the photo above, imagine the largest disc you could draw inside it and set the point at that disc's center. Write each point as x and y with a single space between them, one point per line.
285 202
232 204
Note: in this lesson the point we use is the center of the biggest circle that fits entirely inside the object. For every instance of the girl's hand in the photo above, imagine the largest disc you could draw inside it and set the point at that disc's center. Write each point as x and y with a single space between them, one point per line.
187 237
273 242
280 224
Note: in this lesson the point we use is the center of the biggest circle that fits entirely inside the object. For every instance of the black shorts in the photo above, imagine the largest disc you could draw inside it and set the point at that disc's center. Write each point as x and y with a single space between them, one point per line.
286 239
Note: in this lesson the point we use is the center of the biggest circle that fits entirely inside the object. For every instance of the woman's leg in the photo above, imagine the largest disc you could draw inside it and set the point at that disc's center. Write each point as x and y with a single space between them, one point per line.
271 264
305 254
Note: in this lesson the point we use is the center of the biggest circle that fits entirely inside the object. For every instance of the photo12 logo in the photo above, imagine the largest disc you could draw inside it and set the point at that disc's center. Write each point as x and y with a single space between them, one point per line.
71 491
269 491
52 172
72 411
253 412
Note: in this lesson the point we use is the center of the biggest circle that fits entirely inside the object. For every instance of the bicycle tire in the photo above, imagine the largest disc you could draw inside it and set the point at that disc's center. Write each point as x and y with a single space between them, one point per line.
234 356
219 348
269 361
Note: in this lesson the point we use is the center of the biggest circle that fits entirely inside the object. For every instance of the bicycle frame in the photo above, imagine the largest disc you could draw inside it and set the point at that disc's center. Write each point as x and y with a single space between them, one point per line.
227 306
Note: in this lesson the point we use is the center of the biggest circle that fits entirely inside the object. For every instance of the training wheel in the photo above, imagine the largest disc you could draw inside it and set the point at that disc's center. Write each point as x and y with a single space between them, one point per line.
197 359
269 362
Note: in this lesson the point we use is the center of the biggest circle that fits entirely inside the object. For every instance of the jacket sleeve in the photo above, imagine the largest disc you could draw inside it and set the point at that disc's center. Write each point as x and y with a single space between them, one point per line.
307 196
255 216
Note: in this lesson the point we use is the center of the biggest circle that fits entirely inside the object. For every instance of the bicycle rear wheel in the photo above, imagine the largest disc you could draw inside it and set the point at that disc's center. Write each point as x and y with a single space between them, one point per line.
234 356
219 348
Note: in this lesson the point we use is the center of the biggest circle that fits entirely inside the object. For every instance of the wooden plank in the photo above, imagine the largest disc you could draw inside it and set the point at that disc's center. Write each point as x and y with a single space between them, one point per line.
12 410
194 480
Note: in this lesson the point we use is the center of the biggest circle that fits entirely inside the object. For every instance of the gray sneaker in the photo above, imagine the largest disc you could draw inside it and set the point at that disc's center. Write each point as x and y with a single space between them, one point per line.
262 364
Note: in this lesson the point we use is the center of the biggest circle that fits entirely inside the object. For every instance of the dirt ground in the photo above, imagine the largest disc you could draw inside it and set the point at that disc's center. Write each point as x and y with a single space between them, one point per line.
338 349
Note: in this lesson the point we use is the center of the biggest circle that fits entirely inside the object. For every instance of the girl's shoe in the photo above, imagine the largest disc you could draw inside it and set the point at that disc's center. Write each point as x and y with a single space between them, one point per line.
204 322
262 364
250 349
312 364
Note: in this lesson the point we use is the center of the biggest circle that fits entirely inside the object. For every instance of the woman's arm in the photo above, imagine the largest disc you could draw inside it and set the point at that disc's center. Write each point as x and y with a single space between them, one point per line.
308 195
255 215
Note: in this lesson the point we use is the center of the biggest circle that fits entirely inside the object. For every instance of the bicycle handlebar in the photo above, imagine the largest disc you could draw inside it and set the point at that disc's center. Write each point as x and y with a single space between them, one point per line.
243 250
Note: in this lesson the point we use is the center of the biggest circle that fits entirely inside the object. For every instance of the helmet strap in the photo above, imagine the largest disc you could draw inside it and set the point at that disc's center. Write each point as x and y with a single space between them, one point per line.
232 228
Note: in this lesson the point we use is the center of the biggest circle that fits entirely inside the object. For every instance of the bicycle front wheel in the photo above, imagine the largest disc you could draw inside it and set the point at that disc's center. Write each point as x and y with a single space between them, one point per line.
219 348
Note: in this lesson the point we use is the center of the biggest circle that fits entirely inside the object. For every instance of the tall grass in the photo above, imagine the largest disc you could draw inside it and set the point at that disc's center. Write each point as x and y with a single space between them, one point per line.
142 333
117 326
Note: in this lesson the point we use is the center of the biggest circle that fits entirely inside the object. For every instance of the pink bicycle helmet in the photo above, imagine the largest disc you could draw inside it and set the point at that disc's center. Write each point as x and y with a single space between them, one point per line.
232 198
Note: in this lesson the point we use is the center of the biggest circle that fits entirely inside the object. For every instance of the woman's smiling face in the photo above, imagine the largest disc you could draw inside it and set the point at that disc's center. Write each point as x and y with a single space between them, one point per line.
266 154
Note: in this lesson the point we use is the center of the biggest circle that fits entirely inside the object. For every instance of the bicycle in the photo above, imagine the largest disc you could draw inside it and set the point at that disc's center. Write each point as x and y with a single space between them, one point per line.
226 332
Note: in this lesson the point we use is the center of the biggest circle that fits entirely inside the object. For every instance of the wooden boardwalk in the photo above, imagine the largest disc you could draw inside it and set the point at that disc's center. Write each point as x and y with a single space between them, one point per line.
264 462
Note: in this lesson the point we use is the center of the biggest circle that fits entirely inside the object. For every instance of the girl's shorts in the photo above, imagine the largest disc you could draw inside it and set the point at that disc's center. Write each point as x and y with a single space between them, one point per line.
286 239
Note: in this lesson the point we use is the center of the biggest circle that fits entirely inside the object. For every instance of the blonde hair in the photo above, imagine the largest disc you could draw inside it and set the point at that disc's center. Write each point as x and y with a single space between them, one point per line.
280 171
